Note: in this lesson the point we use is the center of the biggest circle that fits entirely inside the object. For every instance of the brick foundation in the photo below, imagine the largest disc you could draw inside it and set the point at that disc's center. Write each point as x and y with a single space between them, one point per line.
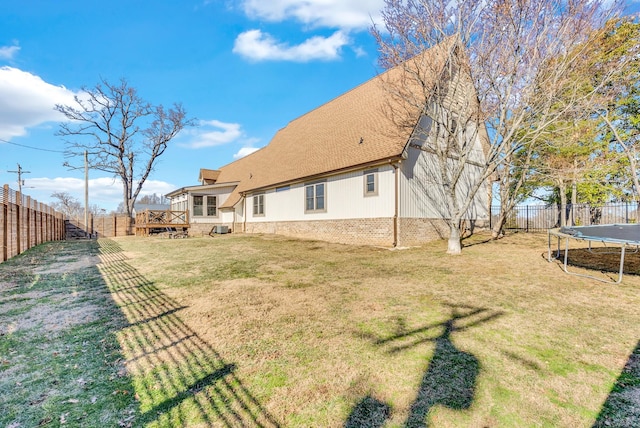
417 231
373 231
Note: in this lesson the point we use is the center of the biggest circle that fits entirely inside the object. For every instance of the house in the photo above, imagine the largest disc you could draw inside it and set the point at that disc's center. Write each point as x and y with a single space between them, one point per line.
344 172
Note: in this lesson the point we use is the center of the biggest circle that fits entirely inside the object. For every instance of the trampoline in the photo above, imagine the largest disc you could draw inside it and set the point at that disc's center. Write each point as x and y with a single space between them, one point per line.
620 235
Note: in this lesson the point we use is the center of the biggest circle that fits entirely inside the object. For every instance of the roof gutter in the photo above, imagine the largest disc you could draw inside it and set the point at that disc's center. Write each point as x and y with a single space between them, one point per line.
380 162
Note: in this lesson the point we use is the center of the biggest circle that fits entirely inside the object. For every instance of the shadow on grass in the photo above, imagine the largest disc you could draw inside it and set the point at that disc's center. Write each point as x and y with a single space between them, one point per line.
179 379
60 362
473 240
622 407
370 413
605 260
450 377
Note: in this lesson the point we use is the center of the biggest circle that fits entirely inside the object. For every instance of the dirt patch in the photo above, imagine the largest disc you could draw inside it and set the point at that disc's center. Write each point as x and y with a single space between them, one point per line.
46 310
4 286
65 265
13 299
55 316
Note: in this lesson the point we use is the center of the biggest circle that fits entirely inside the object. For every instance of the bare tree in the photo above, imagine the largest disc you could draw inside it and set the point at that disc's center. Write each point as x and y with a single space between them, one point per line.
67 204
71 206
505 70
154 199
123 134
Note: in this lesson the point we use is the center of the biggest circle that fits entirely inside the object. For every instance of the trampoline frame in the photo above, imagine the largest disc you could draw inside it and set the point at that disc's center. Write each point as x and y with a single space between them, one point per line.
577 233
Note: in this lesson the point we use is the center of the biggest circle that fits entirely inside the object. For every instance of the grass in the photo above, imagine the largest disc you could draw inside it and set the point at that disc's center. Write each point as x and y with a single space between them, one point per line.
60 360
268 331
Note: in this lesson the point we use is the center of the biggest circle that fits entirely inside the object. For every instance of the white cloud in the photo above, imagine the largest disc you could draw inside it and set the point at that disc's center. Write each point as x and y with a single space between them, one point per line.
106 192
8 52
245 151
258 46
26 101
212 133
344 14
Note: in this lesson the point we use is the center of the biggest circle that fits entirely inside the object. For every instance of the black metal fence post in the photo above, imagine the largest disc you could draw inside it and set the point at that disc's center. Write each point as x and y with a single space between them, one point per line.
626 212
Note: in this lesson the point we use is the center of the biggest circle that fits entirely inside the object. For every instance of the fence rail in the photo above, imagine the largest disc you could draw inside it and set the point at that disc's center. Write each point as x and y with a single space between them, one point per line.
25 223
540 218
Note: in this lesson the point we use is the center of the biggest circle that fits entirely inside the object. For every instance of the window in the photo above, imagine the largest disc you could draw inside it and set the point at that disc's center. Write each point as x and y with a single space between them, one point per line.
371 182
315 197
212 206
197 205
258 205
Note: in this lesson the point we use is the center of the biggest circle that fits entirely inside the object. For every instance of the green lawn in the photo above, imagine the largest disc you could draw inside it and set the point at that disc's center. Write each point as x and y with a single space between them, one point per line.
268 331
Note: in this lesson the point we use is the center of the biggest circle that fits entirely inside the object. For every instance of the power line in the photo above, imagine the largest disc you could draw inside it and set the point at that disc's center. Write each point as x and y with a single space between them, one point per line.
31 147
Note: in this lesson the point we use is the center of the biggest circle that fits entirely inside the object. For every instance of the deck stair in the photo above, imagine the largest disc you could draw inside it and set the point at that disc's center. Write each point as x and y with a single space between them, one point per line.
74 232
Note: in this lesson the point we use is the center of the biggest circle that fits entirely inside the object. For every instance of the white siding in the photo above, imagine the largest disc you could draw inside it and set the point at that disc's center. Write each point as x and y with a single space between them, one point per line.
226 216
180 202
421 192
222 193
239 212
345 199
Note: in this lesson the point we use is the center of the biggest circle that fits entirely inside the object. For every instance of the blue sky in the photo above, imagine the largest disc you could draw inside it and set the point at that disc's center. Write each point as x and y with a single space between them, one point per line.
243 68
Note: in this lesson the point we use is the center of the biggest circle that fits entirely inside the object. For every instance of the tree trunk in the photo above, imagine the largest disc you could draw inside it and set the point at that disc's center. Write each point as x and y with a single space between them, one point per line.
455 245
496 229
563 204
574 202
507 204
634 173
126 200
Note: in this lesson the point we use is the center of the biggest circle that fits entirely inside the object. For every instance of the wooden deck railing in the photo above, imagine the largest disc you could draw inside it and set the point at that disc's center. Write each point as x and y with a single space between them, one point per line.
150 221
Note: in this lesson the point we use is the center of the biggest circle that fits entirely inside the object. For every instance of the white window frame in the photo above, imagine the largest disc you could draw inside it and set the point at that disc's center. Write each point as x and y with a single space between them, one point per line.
200 206
258 205
373 173
314 197
205 206
214 205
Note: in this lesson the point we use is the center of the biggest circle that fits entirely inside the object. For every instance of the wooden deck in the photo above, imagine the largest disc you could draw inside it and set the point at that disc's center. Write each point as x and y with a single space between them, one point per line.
149 222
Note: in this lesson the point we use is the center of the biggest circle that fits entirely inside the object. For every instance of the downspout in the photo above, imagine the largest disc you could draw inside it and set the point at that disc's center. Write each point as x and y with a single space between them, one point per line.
396 172
244 213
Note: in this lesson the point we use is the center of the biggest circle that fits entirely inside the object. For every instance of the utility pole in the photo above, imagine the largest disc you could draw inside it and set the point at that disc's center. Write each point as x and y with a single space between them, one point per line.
86 192
20 180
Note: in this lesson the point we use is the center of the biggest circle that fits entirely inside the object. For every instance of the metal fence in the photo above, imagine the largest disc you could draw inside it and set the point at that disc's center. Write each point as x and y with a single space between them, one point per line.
540 218
25 223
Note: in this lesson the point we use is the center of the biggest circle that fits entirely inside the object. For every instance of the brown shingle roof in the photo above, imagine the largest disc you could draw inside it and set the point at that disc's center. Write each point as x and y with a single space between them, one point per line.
208 176
352 129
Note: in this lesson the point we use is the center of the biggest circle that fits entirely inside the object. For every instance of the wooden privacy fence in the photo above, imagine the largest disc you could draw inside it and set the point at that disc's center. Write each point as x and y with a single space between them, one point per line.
540 218
25 223
101 226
